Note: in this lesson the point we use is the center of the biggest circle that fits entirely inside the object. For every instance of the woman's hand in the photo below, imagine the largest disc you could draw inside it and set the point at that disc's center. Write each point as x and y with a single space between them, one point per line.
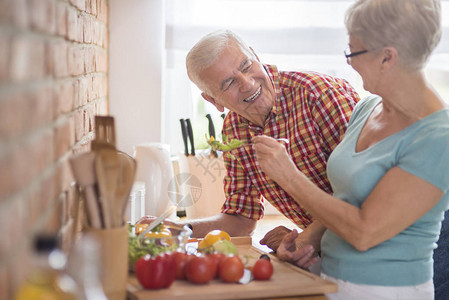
295 251
273 159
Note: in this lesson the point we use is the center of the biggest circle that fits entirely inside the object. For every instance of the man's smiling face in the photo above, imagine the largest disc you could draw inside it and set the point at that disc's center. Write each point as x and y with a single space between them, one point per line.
239 82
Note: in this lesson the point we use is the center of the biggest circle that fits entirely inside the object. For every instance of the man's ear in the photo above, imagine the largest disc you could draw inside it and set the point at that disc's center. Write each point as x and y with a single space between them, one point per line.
211 99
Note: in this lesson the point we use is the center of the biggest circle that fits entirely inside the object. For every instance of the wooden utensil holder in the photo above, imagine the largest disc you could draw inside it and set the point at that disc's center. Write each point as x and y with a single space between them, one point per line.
114 260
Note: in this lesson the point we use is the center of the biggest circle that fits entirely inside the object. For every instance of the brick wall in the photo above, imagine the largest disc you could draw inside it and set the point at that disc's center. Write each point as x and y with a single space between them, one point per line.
53 80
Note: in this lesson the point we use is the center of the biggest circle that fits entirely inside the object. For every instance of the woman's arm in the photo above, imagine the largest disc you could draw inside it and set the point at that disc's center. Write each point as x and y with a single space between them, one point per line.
397 201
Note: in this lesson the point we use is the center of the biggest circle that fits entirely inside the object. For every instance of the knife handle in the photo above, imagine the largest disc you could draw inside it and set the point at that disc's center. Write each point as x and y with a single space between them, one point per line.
211 126
190 134
184 136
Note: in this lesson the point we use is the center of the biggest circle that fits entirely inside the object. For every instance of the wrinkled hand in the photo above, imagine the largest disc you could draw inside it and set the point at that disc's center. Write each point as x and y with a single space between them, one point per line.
273 238
302 255
273 158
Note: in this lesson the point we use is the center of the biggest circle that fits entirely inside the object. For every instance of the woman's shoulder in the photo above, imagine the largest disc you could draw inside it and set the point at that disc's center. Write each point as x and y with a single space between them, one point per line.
364 106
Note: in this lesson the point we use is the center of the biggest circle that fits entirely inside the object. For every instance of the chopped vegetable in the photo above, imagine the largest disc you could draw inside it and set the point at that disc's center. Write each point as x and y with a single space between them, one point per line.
140 247
224 146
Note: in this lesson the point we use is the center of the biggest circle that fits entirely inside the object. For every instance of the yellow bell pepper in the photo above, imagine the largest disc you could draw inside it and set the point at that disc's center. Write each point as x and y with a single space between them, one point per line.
164 232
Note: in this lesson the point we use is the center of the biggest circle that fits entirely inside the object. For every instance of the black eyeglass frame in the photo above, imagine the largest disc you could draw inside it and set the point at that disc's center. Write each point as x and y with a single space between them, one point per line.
353 54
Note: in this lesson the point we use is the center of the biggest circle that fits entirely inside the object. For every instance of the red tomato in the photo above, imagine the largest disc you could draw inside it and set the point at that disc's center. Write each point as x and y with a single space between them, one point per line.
155 273
181 260
217 258
262 269
200 269
231 269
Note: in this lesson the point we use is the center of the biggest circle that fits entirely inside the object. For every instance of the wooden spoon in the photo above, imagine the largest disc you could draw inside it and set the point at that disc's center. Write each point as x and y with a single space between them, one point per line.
84 172
124 185
107 166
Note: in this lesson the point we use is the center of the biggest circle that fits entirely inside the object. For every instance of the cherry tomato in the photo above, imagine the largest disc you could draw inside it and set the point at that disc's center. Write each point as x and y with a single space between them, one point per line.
231 269
200 269
217 258
181 260
262 269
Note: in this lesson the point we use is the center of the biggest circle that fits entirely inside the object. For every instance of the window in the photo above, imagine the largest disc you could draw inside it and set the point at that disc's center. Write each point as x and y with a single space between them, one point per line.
292 34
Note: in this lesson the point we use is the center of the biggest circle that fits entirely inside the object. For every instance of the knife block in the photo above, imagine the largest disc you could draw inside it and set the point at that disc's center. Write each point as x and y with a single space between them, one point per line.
208 172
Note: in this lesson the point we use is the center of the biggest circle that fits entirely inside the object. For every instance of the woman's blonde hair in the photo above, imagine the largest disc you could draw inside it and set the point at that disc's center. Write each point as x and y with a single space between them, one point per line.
413 27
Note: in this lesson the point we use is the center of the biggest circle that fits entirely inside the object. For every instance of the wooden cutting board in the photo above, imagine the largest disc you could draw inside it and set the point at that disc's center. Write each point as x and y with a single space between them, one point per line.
287 281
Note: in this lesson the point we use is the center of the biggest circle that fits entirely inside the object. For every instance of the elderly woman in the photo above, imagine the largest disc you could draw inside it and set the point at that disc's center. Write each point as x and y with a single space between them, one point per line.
390 177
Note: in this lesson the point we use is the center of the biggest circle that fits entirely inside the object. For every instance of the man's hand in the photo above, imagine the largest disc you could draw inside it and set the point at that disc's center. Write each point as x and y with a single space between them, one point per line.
273 238
149 219
294 251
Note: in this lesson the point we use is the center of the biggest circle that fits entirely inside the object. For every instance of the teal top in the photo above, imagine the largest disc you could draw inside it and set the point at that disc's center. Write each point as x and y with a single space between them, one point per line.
421 149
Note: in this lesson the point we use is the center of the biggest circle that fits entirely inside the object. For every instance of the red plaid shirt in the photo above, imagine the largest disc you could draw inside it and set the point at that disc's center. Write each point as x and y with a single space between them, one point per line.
312 111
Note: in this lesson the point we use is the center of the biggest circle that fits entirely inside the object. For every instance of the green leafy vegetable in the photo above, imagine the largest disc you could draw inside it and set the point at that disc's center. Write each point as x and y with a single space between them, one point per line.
140 247
224 146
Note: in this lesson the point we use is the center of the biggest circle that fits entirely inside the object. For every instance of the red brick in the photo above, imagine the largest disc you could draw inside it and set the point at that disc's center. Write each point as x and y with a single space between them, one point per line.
79 4
42 15
40 107
36 205
83 89
87 29
61 18
105 36
93 7
53 222
79 125
64 137
101 61
96 86
5 292
19 267
6 8
5 41
26 110
64 97
80 28
103 10
27 58
20 167
104 87
20 13
6 223
11 115
59 55
96 32
76 59
72 24
89 60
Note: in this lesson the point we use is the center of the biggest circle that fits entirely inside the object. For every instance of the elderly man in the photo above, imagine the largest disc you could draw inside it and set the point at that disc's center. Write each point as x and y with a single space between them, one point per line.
311 110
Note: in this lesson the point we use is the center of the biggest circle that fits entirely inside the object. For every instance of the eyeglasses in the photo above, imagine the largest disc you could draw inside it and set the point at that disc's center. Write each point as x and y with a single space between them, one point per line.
348 54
